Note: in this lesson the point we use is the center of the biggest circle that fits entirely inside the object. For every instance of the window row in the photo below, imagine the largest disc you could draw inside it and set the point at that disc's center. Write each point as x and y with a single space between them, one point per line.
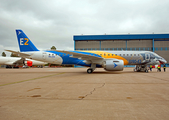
119 54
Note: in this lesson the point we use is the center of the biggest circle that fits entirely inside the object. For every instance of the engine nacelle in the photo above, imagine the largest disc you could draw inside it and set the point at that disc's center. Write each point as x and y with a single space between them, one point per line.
113 65
28 63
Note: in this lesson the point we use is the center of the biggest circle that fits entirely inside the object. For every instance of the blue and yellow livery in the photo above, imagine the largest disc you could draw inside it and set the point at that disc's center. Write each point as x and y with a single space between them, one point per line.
109 60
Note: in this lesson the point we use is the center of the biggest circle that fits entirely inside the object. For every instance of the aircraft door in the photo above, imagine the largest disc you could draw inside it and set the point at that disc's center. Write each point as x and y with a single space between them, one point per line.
44 56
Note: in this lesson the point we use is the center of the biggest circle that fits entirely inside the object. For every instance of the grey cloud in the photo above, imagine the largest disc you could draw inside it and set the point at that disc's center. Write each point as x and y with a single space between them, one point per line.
54 22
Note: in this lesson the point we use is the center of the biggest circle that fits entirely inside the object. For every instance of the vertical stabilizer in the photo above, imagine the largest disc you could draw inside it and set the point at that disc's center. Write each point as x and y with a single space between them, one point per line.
24 42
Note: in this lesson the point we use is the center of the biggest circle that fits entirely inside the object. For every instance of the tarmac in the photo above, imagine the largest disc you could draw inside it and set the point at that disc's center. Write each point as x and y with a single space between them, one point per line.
73 94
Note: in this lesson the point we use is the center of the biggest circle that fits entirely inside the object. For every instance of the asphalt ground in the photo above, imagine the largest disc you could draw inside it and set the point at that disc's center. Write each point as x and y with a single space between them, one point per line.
72 94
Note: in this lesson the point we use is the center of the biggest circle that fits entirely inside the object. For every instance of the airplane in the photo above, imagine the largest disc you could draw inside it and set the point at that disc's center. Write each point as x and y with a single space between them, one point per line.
109 60
15 62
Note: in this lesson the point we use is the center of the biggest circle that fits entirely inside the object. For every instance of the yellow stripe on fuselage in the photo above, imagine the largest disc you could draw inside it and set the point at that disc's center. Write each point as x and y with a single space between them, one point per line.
108 55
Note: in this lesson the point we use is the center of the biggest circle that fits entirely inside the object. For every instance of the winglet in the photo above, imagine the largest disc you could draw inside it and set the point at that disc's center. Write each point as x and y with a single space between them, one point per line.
24 42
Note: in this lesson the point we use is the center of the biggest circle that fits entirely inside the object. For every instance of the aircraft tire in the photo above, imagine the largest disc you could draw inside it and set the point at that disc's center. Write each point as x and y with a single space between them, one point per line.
16 67
9 67
135 70
146 71
89 70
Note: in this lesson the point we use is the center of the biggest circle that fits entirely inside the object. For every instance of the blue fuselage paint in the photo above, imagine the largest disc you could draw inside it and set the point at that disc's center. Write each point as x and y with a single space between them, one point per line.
68 60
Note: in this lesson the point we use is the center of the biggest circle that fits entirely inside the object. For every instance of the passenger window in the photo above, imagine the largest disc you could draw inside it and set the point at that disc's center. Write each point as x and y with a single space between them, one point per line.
112 54
123 54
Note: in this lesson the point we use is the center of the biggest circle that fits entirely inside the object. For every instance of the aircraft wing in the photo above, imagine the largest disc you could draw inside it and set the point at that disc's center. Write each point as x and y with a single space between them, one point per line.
89 57
19 53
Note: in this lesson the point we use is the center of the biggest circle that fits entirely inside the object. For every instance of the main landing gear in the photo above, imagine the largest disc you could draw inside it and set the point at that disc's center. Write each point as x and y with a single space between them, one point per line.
141 68
92 68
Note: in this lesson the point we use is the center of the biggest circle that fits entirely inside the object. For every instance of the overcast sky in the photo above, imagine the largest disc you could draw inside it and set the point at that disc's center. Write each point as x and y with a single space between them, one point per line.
54 22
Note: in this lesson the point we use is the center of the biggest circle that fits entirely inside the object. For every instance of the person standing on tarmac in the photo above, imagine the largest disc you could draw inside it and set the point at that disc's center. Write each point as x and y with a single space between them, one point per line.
164 67
151 67
159 68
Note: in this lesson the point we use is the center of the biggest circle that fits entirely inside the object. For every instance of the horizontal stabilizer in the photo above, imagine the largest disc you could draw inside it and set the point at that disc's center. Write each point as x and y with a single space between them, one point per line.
18 53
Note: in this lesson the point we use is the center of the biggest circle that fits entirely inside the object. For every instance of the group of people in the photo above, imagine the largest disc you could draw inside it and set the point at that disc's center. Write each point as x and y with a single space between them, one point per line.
158 68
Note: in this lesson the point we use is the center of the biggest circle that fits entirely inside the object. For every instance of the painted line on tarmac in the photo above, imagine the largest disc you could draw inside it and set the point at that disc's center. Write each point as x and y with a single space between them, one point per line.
31 79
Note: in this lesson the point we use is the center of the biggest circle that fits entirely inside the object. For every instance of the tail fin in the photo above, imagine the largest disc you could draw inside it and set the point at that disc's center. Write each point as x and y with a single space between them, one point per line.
24 42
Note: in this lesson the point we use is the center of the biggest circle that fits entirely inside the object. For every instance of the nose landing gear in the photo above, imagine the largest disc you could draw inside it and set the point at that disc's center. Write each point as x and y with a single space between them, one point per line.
141 68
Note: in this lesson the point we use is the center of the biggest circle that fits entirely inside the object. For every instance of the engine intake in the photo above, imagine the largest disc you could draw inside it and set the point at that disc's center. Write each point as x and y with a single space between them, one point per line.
113 65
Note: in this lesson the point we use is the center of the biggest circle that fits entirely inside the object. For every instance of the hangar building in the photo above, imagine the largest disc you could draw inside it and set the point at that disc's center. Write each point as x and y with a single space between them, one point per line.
158 43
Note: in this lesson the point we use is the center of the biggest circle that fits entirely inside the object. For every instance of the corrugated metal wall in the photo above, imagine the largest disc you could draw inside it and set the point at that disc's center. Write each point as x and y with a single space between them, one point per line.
113 44
161 44
80 45
139 43
121 44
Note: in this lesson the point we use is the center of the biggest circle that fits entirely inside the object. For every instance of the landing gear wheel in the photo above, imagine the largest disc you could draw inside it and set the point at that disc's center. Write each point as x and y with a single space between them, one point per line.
16 67
135 70
89 70
146 71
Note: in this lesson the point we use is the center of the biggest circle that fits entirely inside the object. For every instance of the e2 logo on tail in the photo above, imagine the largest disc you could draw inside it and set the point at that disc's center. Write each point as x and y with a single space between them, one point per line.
22 40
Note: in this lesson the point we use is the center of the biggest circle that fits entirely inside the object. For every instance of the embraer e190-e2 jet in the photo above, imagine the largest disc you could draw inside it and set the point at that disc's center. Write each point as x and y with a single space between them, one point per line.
109 60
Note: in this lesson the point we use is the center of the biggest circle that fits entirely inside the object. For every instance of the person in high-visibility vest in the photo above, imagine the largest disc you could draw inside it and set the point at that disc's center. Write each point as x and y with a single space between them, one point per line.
164 67
159 68
151 67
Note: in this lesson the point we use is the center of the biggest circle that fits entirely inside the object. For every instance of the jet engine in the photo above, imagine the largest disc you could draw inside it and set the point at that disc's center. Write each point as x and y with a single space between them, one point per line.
28 63
113 65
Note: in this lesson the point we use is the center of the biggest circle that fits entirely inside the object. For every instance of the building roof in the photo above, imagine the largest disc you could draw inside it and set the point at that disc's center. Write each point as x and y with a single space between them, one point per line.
120 37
